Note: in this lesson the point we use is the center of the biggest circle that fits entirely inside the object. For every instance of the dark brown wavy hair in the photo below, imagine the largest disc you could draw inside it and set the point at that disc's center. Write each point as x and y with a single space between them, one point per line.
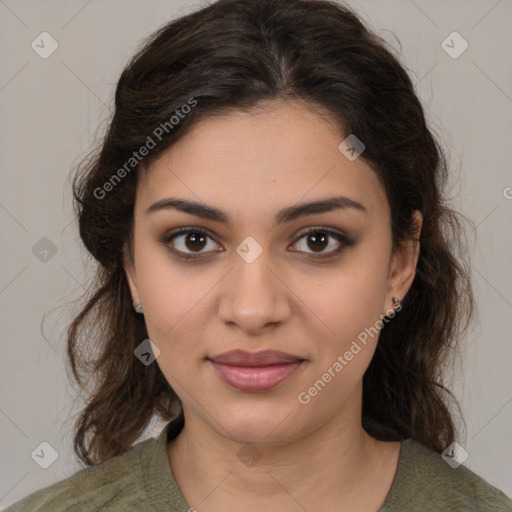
233 54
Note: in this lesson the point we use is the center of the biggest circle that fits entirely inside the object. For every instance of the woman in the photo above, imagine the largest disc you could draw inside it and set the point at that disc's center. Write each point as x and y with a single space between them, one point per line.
277 278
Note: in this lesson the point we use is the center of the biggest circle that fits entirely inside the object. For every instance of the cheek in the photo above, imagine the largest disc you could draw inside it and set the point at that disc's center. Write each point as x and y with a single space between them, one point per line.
346 301
177 304
345 324
166 292
345 333
174 306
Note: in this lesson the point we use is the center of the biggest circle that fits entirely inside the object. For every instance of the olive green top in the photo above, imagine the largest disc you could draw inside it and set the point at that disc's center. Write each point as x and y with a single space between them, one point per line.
141 480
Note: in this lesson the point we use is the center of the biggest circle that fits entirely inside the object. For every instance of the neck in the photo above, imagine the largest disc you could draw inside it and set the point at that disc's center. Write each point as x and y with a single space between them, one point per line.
338 460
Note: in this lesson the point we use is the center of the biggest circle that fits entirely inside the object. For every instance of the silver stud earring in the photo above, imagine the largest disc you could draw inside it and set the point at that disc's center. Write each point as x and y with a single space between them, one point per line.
138 307
397 303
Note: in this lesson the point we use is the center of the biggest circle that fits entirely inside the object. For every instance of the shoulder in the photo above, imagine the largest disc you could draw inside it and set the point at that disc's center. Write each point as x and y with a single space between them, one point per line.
426 482
117 484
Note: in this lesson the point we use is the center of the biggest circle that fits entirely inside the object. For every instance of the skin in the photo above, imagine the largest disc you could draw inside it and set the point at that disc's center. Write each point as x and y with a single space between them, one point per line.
250 165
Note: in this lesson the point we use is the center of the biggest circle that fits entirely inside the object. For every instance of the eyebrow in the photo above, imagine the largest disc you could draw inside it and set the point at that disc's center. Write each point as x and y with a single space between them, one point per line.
287 214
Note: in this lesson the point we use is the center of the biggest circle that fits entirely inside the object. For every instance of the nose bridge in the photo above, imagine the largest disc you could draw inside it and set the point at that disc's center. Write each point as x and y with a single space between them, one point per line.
252 295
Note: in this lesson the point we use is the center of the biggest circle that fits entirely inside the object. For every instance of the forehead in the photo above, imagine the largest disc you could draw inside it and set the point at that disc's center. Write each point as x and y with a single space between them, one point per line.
261 160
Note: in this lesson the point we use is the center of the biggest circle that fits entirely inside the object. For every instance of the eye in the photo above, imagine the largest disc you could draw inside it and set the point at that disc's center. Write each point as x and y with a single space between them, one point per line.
320 239
189 239
189 243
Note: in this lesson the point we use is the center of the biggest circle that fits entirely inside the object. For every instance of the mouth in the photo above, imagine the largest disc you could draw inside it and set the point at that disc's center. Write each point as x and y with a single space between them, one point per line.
255 372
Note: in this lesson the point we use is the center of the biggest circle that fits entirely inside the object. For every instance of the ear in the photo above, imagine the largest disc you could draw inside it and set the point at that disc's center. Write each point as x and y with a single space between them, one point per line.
131 277
403 264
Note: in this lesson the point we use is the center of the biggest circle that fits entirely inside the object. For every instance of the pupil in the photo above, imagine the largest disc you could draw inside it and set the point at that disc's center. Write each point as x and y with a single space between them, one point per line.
319 240
196 241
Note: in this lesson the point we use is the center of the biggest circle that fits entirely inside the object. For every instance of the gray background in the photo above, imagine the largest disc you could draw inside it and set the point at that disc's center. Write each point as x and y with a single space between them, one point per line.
54 109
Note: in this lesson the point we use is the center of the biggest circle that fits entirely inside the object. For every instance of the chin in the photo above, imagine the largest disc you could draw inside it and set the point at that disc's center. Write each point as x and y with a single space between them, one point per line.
254 437
258 427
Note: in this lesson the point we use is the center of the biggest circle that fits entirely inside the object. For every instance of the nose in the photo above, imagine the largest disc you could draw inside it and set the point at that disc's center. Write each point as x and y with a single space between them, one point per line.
254 297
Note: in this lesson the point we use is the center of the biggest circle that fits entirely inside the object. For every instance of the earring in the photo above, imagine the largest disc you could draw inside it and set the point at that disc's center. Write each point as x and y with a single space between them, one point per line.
138 307
397 303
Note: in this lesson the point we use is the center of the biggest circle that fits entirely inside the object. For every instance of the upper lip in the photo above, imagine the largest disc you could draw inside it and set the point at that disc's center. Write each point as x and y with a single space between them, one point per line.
263 358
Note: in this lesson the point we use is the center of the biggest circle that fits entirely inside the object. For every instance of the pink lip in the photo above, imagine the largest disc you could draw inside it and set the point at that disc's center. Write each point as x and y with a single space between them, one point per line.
255 371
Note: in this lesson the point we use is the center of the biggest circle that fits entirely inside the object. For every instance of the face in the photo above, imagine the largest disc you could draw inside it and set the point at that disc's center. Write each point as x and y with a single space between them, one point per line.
254 273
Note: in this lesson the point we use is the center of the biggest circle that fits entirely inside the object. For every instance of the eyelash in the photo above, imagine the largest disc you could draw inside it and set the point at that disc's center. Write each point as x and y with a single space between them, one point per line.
345 242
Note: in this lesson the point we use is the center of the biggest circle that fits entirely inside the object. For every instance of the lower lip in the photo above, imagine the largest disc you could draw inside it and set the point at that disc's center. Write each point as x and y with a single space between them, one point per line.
258 378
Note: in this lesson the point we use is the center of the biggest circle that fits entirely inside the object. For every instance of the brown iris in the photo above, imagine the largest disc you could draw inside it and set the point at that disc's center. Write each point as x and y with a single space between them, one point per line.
319 239
195 241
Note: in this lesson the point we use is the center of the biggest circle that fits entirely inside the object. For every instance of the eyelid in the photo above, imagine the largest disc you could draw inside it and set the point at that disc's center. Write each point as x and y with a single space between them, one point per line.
166 239
326 229
338 234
